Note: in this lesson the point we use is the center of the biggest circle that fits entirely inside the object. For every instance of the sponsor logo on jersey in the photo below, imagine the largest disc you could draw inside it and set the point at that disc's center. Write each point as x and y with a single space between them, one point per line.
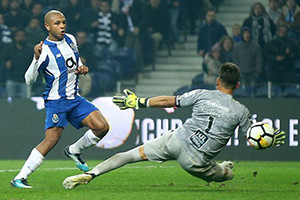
71 64
55 118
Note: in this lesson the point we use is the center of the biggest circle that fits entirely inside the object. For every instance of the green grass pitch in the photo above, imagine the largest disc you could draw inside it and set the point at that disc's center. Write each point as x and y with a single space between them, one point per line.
147 180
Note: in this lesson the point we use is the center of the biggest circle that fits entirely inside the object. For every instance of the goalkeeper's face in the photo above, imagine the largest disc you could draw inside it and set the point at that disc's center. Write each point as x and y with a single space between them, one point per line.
56 26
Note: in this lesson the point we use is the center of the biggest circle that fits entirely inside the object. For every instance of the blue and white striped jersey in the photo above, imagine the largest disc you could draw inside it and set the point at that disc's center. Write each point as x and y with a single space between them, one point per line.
58 62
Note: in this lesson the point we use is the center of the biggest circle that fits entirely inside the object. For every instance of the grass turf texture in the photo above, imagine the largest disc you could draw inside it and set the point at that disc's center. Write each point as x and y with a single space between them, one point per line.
147 180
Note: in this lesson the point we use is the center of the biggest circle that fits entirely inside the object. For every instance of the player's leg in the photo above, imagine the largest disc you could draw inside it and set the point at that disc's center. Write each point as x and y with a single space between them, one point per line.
209 171
36 157
221 172
154 150
114 162
98 129
86 114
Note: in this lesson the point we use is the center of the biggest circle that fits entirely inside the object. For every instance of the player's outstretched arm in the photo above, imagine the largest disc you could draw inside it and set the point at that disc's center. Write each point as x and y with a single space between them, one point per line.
279 137
130 100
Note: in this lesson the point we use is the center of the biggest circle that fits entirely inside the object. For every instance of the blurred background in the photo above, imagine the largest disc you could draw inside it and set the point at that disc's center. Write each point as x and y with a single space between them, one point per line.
155 47
160 47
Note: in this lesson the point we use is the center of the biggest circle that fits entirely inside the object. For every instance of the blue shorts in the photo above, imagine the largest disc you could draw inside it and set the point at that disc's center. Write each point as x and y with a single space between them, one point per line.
60 112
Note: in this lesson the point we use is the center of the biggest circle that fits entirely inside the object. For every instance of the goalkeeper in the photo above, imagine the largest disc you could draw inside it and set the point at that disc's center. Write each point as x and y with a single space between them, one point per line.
194 144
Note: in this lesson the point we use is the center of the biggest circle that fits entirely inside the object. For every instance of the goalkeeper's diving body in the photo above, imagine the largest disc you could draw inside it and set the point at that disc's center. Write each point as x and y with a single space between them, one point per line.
194 144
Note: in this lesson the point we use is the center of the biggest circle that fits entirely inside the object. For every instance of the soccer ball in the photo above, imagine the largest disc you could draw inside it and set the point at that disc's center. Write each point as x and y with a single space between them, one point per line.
260 135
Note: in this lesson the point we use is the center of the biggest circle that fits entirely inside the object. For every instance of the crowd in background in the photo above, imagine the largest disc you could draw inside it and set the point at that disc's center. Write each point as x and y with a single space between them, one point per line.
265 45
102 28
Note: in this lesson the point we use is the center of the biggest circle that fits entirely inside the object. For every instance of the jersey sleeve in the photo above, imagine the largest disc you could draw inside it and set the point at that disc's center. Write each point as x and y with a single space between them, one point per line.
189 98
33 70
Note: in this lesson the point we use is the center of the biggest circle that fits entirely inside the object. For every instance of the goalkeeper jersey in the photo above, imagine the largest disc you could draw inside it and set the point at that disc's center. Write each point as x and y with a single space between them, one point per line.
215 117
58 62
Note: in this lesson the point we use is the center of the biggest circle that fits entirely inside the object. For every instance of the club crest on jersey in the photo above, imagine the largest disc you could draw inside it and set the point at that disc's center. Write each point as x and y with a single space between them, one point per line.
55 118
74 48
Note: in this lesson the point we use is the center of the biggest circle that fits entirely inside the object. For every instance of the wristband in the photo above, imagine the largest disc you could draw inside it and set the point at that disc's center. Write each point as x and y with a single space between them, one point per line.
143 102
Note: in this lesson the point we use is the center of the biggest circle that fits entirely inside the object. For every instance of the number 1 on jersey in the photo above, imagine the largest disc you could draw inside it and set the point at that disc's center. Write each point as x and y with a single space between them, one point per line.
209 125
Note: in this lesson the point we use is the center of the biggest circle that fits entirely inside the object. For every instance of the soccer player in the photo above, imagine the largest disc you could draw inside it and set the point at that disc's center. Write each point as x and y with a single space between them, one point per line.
194 144
58 59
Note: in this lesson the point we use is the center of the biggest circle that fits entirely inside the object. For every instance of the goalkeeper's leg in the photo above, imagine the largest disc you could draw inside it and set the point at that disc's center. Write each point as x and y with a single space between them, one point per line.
217 172
117 161
108 165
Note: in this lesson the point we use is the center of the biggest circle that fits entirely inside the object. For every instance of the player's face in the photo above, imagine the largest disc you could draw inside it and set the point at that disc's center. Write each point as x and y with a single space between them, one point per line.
56 27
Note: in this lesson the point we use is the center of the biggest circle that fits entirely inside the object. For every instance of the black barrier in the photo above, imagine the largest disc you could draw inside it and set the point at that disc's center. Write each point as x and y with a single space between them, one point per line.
22 128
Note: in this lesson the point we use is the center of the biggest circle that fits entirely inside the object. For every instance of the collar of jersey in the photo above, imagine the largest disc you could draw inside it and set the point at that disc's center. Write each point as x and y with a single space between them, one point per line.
228 95
53 43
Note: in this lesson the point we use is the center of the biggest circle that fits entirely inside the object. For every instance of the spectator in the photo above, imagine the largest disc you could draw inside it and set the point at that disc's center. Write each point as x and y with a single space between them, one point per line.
34 32
85 49
211 66
209 33
17 56
5 39
274 11
106 28
196 9
261 25
158 22
291 17
226 46
121 22
27 5
89 16
247 54
174 9
115 6
4 6
73 14
236 33
120 32
280 54
37 11
16 18
136 37
5 34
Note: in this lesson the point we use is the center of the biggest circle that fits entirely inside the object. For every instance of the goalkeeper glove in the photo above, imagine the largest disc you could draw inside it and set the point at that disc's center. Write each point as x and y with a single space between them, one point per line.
279 137
129 100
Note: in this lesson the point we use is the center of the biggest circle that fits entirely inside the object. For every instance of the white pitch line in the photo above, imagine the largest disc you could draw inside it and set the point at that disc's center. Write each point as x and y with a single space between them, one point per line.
73 168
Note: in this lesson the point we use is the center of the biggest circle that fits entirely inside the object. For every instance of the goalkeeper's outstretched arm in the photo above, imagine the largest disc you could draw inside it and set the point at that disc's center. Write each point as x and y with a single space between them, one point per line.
162 101
130 100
